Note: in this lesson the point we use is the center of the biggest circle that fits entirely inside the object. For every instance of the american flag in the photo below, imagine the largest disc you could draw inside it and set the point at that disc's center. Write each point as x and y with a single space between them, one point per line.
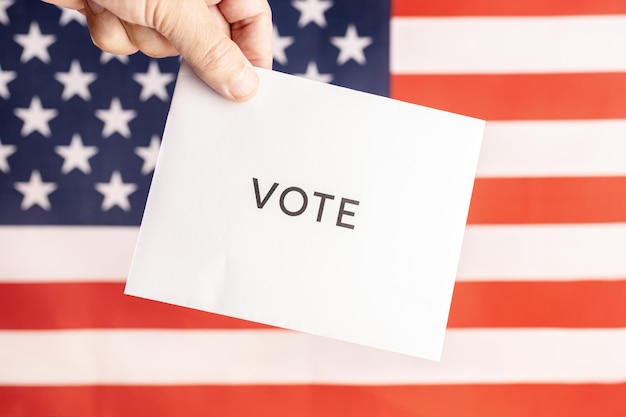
538 319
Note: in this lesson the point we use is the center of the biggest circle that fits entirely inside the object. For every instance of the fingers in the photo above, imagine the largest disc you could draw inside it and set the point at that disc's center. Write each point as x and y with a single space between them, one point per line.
116 36
149 41
107 31
251 28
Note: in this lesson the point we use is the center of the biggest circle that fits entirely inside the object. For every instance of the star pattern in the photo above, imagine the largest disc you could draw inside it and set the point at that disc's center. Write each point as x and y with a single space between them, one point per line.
70 15
76 155
5 78
153 82
62 98
74 115
149 154
75 82
5 152
312 11
35 44
279 44
115 192
4 5
346 42
35 191
106 57
351 46
116 119
313 73
35 118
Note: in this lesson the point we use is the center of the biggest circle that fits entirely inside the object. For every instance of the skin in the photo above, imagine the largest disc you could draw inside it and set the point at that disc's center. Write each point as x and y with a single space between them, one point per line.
220 39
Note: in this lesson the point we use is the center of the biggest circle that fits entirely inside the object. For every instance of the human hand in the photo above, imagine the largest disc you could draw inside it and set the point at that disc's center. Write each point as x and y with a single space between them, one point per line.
220 39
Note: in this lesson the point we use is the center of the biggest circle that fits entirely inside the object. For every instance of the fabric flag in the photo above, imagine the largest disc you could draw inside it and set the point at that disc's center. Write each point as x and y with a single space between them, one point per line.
537 325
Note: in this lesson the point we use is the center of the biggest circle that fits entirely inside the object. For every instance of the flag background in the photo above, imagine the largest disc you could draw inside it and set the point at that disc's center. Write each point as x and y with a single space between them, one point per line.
537 325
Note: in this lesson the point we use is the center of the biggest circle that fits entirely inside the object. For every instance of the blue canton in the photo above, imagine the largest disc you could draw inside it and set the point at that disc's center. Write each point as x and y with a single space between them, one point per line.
80 129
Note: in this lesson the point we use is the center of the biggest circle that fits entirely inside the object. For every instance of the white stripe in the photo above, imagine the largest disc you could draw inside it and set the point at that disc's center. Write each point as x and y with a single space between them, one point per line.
282 357
71 253
508 44
554 149
544 252
490 253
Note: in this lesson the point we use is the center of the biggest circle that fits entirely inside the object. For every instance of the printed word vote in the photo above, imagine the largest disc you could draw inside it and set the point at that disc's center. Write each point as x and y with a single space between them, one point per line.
296 211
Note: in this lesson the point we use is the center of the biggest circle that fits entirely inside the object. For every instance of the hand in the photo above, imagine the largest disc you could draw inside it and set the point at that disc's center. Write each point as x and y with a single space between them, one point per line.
220 39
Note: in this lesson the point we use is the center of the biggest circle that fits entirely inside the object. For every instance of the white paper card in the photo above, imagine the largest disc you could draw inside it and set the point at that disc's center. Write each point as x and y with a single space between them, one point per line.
311 207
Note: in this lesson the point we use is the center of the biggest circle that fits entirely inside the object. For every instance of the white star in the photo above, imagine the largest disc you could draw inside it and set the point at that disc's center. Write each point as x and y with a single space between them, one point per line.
75 82
76 155
5 78
279 44
116 119
106 57
68 15
4 5
153 82
149 154
5 152
312 11
115 192
313 73
35 191
35 118
35 44
351 46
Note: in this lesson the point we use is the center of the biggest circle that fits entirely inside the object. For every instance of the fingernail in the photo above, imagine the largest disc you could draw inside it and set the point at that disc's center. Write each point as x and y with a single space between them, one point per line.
94 7
245 85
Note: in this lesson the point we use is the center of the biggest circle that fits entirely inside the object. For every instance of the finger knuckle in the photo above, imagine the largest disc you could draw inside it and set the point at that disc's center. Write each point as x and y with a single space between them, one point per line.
113 44
158 51
115 48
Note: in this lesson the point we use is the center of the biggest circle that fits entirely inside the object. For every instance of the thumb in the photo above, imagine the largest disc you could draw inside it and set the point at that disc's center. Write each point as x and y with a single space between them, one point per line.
201 35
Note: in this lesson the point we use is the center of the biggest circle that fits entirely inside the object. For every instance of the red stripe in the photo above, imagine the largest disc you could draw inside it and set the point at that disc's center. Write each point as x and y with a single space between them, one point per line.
582 304
518 96
475 304
579 400
419 8
98 305
548 200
